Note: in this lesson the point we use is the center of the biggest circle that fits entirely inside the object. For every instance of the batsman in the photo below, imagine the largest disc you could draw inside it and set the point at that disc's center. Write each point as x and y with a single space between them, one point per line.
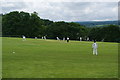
95 46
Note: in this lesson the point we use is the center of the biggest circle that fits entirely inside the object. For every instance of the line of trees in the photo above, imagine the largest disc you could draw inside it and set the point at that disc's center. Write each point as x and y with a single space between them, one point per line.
31 25
111 33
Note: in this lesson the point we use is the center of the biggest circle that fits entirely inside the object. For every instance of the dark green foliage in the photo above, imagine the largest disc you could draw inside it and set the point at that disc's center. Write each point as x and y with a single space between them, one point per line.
63 29
31 25
111 33
95 34
21 23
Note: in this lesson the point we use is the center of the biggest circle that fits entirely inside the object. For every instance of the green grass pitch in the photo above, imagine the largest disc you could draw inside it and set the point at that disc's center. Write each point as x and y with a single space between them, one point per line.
57 59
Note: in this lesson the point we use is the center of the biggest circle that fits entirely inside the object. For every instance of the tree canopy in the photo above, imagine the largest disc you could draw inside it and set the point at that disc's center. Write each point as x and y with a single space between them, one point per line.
31 25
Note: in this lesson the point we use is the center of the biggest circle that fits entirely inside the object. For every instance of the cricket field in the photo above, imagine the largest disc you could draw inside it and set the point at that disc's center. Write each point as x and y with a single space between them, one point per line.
37 58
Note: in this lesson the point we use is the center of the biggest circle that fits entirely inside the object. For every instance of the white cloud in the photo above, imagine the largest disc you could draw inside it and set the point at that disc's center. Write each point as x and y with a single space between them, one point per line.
67 10
73 0
88 10
115 9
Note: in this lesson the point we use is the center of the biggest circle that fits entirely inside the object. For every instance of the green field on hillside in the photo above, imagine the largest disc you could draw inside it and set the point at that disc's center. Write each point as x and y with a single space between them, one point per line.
57 59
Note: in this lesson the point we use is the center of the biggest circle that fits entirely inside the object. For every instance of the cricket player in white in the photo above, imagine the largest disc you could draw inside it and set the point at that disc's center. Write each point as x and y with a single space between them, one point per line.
35 37
58 38
63 39
95 46
80 38
44 37
87 38
67 39
24 38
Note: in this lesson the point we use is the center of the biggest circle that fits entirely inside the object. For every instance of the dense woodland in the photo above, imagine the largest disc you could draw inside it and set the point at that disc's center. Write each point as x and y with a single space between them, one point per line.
16 24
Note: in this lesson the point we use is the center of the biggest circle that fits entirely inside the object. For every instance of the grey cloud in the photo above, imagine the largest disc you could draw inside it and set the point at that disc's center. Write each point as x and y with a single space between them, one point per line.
68 11
79 11
12 6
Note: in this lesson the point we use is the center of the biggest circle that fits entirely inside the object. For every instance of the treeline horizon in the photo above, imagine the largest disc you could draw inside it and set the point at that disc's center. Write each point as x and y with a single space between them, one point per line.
17 23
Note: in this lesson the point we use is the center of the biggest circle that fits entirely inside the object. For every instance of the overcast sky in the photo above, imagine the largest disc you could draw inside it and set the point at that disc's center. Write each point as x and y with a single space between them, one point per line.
69 10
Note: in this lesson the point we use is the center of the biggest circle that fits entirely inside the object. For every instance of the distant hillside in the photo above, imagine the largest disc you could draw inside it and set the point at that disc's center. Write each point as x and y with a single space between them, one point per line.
98 23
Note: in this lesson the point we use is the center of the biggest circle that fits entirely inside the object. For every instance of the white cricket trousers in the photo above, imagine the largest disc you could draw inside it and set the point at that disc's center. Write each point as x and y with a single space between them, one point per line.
95 51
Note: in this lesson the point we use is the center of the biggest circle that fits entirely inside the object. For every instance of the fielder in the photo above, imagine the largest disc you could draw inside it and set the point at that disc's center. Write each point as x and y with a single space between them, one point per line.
80 38
24 38
44 37
35 37
87 38
63 39
95 46
58 38
67 39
